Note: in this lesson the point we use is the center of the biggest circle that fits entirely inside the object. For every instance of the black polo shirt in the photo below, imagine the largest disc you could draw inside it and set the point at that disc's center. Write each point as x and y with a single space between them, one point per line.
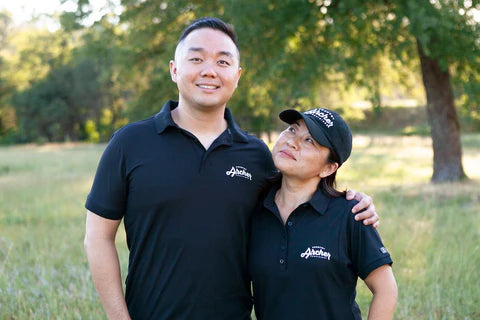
186 212
308 268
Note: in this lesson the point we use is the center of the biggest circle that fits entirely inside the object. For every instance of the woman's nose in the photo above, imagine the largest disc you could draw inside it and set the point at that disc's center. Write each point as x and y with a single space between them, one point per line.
292 143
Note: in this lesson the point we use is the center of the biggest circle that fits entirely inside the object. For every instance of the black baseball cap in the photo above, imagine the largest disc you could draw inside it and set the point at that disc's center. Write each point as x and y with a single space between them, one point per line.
326 127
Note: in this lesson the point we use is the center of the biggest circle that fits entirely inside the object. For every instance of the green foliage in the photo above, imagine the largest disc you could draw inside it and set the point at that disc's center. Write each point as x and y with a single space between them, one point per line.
37 52
4 22
91 131
56 107
62 79
69 21
467 87
293 53
7 117
28 56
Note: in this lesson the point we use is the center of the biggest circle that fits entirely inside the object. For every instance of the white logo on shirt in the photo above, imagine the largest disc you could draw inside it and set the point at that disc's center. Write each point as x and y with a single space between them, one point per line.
240 172
316 252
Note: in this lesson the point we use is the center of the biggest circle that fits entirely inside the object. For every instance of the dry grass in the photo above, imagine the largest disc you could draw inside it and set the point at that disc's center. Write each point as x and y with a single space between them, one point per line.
432 231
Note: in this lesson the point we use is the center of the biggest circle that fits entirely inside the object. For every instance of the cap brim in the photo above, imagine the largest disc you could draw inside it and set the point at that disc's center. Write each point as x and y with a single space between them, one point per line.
291 115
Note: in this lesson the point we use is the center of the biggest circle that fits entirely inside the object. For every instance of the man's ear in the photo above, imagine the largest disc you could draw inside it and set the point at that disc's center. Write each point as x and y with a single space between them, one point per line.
239 74
173 70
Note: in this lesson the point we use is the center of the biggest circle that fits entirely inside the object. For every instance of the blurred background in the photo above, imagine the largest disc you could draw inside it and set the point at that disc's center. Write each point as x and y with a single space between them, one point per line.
404 74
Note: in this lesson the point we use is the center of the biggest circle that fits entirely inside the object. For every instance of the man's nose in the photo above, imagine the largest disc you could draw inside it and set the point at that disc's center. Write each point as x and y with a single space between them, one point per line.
208 70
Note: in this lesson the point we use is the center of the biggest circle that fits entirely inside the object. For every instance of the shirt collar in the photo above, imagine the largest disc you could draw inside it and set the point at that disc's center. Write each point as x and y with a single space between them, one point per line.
163 119
319 201
269 201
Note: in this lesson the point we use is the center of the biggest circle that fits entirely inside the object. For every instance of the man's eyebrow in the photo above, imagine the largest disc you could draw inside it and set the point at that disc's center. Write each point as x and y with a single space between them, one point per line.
220 53
196 49
226 53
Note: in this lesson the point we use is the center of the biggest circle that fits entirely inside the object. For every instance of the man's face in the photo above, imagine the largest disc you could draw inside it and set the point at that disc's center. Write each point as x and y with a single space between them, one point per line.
206 69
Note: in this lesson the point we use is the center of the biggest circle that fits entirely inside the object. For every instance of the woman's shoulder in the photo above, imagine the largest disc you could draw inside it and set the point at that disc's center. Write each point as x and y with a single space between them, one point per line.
342 204
342 209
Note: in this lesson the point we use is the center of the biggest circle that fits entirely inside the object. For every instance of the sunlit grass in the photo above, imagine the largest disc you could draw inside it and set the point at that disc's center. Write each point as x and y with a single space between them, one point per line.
43 271
432 231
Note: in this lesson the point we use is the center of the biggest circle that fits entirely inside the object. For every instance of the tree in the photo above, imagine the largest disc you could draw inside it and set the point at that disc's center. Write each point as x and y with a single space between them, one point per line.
7 118
103 44
292 47
446 38
350 33
57 107
65 81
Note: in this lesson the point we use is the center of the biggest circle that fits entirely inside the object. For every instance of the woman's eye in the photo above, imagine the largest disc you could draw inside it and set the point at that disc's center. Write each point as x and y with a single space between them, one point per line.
310 140
291 129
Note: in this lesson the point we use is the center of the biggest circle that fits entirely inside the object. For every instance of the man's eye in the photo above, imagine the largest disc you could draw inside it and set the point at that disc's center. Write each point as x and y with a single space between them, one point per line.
224 62
195 59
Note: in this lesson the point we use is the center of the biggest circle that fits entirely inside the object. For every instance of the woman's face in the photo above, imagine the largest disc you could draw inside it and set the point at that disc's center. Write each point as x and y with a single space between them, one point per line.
297 154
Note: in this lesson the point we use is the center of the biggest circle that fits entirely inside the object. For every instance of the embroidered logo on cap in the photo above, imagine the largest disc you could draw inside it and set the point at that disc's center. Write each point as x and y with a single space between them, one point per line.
325 116
316 252
239 171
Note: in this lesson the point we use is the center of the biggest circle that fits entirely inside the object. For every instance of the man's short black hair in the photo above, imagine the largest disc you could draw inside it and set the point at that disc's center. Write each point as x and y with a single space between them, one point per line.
212 23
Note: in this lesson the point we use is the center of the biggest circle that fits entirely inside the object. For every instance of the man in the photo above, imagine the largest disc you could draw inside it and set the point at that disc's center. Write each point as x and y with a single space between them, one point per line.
185 182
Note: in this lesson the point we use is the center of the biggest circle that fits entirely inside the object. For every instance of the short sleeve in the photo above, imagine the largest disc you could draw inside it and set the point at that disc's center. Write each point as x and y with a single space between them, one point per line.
107 198
367 249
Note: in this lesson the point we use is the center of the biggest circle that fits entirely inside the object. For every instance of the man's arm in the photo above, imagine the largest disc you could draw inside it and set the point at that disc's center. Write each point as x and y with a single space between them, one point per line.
369 216
104 264
382 284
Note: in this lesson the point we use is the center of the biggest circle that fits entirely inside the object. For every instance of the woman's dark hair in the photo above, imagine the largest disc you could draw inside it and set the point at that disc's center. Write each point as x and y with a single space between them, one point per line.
327 185
212 23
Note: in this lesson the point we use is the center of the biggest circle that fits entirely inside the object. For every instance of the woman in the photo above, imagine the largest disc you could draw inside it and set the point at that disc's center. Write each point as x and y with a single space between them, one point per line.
306 249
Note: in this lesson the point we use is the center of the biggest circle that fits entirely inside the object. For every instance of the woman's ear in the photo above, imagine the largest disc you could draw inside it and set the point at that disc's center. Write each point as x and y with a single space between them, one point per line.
328 169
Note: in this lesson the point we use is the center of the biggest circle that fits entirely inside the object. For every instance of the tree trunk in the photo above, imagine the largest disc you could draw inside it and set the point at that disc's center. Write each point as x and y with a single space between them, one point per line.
443 120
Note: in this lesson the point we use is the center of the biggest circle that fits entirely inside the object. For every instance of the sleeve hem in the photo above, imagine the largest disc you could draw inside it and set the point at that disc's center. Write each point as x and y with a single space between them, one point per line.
374 265
103 212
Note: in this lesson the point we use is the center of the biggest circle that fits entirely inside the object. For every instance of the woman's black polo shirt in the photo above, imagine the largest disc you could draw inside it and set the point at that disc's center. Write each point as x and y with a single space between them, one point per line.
186 212
308 268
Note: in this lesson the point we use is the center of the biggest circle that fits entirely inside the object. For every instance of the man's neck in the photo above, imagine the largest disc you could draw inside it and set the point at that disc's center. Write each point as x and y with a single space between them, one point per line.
206 125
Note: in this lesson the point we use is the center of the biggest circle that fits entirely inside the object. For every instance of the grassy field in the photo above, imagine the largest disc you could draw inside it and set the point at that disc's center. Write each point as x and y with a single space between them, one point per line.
432 231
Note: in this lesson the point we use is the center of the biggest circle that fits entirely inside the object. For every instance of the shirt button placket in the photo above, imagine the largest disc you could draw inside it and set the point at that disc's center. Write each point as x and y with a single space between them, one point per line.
283 248
283 251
